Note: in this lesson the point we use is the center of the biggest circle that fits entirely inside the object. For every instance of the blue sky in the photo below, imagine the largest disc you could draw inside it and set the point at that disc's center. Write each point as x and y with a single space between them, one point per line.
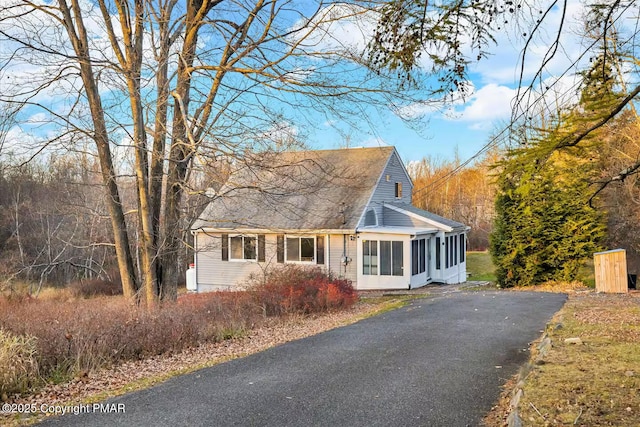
463 129
467 126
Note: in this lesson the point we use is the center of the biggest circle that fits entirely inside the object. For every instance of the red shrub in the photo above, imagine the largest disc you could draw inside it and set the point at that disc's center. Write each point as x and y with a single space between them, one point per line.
297 289
85 334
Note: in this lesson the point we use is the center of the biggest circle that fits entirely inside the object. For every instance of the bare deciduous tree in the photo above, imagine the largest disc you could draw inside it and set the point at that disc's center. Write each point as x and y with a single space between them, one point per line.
179 85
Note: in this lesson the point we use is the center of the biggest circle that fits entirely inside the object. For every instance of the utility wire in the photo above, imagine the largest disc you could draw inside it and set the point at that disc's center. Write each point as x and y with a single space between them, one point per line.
439 182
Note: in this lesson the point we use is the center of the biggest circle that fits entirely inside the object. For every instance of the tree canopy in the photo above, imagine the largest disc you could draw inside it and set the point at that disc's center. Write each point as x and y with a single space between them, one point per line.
547 222
159 91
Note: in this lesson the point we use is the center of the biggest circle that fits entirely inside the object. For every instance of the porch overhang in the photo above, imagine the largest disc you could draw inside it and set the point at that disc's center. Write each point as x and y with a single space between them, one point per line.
413 231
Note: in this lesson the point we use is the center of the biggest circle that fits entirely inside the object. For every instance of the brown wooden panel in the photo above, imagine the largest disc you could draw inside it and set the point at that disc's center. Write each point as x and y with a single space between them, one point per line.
611 271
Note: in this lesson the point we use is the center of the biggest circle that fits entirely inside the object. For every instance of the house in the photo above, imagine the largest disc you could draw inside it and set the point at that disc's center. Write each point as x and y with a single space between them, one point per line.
347 210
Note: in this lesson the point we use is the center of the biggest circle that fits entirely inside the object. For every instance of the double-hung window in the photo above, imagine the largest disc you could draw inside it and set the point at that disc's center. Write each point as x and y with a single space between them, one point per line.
370 257
243 248
300 249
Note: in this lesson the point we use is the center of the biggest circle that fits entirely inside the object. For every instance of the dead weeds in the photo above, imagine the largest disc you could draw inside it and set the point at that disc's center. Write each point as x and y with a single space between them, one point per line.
554 286
134 375
596 383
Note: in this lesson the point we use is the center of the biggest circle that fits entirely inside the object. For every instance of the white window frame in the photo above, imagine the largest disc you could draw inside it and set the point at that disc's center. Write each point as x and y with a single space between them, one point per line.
379 258
297 236
369 257
243 259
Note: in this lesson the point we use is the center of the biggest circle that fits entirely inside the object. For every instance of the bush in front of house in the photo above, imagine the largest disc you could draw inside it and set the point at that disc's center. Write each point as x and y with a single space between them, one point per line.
299 289
56 339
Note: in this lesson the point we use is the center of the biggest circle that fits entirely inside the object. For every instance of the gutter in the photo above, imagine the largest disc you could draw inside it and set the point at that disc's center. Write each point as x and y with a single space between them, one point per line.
274 231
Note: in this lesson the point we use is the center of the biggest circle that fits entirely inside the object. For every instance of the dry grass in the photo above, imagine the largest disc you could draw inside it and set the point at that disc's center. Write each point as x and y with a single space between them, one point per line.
596 383
18 363
139 374
70 335
553 286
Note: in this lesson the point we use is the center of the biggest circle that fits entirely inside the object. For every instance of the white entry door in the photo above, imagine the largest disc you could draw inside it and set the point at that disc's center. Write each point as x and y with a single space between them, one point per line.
420 261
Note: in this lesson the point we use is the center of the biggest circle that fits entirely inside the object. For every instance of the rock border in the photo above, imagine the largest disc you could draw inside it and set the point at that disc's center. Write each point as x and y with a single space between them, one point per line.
544 346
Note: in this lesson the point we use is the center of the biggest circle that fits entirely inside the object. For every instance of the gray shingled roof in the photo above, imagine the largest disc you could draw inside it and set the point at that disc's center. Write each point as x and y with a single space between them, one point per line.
303 190
457 226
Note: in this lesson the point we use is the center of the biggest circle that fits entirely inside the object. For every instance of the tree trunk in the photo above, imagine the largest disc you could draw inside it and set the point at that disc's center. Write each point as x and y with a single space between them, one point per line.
180 152
131 63
165 41
78 36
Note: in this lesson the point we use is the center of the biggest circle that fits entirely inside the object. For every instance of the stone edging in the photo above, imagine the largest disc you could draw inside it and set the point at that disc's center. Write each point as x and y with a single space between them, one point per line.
513 419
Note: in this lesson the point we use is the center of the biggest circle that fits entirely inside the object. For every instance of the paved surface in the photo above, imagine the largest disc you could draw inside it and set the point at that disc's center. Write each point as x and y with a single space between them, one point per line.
438 362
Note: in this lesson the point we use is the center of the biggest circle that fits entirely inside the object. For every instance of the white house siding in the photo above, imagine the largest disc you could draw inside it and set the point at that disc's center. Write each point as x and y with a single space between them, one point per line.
339 246
456 273
386 189
214 274
422 279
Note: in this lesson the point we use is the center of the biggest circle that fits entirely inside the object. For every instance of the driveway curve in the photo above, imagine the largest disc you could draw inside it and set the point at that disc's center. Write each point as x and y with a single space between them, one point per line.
439 361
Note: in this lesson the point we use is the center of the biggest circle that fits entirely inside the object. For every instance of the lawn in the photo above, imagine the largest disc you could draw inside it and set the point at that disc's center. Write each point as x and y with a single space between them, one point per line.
594 382
480 266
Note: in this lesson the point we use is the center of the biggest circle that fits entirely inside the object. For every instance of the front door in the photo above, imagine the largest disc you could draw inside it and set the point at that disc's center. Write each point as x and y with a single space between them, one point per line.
420 261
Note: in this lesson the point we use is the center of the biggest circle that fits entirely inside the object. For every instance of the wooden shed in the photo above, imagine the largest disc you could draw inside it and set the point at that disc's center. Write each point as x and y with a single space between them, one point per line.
611 271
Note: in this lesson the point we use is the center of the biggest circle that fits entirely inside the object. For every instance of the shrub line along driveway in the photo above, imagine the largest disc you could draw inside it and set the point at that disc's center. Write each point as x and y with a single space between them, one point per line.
436 362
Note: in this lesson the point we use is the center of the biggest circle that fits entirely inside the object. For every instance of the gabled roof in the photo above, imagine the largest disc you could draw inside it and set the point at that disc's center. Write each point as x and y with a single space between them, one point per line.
428 217
303 190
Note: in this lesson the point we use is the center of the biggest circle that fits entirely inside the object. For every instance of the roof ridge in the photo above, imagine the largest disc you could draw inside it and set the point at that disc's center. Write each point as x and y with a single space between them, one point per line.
382 147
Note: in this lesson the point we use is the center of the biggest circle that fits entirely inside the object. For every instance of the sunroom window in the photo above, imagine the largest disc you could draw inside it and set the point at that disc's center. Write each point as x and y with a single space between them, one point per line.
242 248
370 257
385 254
300 249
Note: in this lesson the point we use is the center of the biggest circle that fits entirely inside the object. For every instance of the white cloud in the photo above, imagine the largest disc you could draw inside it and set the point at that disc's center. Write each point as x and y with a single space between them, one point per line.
299 74
489 103
19 142
338 28
429 107
37 119
480 107
418 109
281 134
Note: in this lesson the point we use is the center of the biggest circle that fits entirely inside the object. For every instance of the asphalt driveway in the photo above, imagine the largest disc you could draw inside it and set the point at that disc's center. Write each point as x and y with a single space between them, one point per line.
437 362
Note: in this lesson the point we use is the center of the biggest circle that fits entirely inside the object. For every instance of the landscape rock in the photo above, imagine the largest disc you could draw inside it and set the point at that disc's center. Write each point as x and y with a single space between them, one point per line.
515 400
513 420
575 340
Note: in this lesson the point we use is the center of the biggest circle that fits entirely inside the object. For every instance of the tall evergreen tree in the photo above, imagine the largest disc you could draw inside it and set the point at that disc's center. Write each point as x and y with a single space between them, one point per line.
545 223
544 226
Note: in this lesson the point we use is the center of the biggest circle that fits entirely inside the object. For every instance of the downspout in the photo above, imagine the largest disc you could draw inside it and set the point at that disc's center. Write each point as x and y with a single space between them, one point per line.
195 256
344 253
329 253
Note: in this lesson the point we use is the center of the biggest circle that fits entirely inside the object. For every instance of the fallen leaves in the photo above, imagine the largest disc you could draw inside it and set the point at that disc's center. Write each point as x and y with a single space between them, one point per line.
134 375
